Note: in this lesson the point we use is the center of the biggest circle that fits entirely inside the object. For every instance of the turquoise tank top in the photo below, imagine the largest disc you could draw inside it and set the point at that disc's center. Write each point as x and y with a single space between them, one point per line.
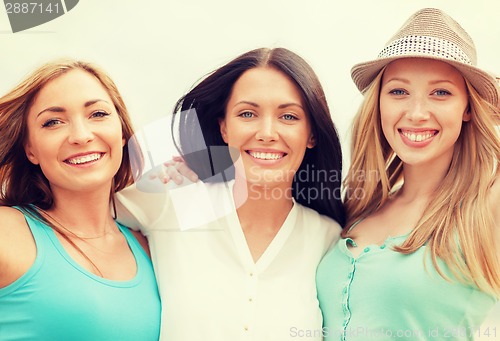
384 295
57 299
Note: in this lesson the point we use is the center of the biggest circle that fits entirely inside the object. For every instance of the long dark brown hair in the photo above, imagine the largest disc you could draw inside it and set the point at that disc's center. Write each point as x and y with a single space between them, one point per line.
204 106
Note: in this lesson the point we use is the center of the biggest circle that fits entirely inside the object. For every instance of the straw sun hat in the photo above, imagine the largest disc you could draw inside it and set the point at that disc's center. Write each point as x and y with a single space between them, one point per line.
431 33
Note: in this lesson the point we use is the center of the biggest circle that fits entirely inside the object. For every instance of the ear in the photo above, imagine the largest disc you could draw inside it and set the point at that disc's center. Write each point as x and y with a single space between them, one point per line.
30 155
223 129
466 116
311 142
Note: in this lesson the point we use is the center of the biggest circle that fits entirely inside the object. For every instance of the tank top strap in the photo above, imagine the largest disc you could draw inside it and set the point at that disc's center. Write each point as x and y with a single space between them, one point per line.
39 232
134 244
49 247
37 227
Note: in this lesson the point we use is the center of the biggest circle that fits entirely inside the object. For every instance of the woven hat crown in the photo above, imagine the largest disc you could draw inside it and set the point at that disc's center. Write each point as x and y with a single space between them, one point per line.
447 33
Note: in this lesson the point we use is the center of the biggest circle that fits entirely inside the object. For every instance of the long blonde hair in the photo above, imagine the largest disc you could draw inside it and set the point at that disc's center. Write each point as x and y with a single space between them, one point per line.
457 224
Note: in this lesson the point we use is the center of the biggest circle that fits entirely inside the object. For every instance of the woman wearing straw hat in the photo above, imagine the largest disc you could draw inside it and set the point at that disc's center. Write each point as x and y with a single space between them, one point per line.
418 258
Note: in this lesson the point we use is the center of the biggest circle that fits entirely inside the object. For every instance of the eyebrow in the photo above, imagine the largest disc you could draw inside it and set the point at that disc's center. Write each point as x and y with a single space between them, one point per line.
403 80
432 82
61 109
281 106
442 81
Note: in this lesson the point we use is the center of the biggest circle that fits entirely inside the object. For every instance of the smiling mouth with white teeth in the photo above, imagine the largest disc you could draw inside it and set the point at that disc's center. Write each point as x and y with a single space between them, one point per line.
266 155
84 159
418 136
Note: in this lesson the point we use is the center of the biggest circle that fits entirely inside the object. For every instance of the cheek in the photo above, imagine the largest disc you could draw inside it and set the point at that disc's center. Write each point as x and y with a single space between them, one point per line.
298 139
233 133
223 130
41 152
456 127
235 140
117 141
386 128
113 133
48 161
119 147
388 121
389 111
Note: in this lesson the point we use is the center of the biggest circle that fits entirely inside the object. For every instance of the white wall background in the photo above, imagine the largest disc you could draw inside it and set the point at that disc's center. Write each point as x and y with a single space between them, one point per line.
155 50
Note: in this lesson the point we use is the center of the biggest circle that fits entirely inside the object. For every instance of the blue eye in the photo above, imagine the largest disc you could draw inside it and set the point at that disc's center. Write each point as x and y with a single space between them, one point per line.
442 92
398 92
99 114
246 114
51 122
289 117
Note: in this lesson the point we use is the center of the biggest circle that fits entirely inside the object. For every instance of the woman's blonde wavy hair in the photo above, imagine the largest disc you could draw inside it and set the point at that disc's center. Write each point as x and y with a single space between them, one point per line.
457 224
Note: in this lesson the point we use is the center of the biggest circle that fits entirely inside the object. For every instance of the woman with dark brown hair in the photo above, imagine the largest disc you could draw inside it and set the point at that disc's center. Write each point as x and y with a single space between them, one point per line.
248 272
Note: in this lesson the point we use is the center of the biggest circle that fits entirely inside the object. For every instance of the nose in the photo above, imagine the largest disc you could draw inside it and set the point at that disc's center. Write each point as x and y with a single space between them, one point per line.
418 109
267 131
80 133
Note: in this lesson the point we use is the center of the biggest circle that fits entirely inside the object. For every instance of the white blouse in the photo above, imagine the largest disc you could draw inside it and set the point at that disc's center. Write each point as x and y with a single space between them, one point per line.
210 286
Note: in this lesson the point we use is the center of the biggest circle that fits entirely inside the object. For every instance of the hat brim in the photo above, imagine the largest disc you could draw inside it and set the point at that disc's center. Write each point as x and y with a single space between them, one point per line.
364 73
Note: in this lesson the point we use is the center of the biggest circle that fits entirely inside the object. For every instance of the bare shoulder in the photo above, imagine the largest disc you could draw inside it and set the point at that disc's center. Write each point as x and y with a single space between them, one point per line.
142 240
9 211
17 246
12 222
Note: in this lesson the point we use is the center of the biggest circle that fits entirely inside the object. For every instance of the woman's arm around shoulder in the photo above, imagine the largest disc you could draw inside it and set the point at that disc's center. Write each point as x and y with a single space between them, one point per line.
139 206
17 246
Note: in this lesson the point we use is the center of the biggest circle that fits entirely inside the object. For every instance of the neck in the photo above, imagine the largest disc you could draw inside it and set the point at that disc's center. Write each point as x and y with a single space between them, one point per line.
423 181
84 213
262 207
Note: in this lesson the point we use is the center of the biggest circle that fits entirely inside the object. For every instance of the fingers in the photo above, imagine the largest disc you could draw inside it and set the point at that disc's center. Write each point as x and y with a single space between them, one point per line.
174 170
171 173
177 168
160 173
178 158
184 170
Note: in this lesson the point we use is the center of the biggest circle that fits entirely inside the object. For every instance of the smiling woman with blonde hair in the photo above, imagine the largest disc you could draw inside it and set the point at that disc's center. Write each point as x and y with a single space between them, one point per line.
68 271
419 257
